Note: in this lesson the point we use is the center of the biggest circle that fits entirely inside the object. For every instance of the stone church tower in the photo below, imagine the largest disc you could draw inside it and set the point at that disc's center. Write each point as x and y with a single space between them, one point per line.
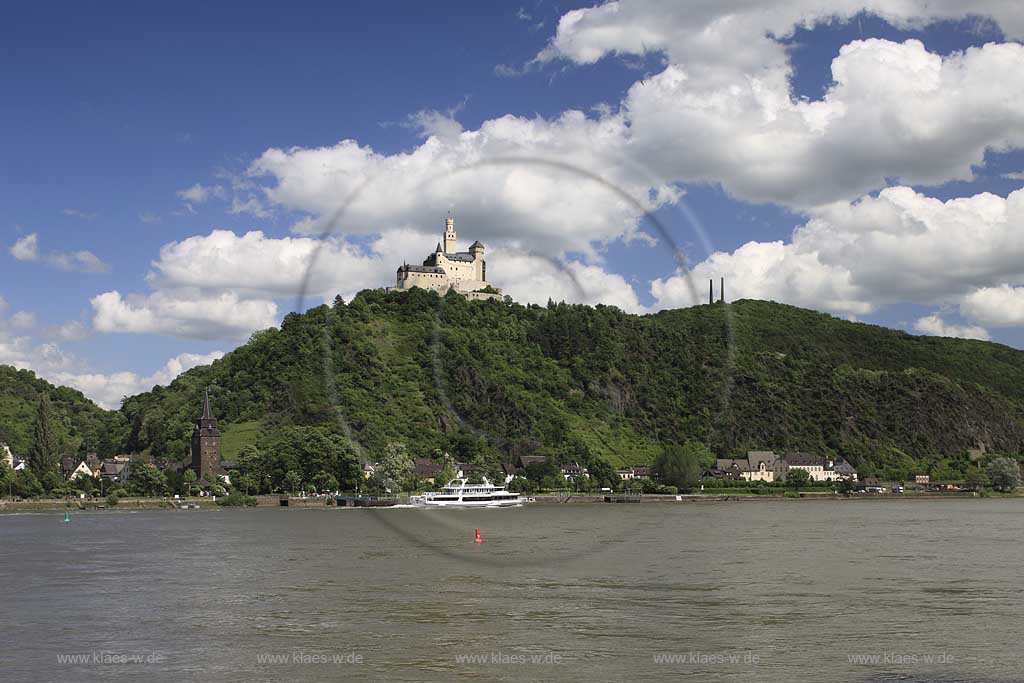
206 445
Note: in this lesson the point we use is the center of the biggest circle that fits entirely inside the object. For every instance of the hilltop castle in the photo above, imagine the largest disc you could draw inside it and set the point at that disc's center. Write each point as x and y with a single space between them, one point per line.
446 268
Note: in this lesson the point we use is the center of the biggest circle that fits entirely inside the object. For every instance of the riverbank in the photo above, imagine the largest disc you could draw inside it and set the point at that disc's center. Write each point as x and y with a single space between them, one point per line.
296 502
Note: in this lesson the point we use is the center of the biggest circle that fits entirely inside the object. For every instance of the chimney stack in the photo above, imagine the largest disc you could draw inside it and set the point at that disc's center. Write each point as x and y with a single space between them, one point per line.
711 291
721 290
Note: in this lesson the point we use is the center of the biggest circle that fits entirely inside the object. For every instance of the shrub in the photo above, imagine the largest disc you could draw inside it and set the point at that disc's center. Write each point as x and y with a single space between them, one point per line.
112 500
237 499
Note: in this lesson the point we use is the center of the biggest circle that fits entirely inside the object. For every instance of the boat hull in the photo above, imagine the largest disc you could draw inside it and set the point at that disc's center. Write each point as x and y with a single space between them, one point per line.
427 503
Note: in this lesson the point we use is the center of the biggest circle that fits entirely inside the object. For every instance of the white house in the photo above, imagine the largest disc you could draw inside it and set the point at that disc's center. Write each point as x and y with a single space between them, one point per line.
817 467
82 470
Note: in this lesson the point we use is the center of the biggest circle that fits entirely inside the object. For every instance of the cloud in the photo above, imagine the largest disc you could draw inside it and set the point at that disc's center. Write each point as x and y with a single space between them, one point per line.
255 265
72 330
27 249
936 326
736 35
23 320
512 179
84 261
532 278
1001 306
900 246
225 286
429 122
79 214
894 111
1014 176
149 217
199 193
184 313
49 361
108 389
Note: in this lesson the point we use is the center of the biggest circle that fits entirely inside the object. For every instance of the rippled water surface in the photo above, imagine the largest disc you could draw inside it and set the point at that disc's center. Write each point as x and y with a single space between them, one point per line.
748 591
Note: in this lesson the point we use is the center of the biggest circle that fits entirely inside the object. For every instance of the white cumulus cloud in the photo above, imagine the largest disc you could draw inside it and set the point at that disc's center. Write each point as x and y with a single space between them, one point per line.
936 326
108 389
900 246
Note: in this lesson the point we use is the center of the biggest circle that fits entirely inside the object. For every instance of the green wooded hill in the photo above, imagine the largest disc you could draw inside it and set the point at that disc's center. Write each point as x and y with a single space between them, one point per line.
486 380
81 426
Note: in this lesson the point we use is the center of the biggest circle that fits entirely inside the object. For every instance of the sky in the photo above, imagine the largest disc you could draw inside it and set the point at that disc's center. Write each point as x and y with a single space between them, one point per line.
170 176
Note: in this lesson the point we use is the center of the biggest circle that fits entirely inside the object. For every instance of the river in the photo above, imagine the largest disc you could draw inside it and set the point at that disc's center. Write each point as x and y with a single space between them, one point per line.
726 591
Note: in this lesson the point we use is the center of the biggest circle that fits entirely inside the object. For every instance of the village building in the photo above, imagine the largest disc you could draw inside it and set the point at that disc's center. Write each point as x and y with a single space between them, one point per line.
112 470
524 461
818 468
72 468
757 466
447 268
5 451
573 471
206 445
427 470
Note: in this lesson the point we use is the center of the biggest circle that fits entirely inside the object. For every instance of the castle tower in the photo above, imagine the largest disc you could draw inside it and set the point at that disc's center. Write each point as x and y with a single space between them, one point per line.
479 265
206 445
449 235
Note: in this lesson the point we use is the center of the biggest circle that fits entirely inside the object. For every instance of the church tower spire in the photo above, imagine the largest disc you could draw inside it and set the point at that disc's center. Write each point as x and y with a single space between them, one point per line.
206 444
449 235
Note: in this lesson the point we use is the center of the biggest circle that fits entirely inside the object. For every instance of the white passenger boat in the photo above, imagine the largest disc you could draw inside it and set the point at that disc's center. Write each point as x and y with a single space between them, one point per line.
459 493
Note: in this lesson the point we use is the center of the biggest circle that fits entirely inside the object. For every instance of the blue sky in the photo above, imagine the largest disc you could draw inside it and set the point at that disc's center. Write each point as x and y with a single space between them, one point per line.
130 136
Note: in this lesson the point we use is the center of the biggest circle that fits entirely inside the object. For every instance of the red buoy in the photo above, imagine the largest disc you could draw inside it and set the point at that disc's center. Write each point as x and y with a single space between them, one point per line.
478 539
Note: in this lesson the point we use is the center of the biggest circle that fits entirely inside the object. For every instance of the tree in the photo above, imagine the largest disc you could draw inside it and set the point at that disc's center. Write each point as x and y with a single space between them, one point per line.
520 485
976 479
681 466
293 480
44 456
797 478
27 485
6 478
245 482
1004 473
324 482
446 474
603 474
189 479
172 480
147 480
396 464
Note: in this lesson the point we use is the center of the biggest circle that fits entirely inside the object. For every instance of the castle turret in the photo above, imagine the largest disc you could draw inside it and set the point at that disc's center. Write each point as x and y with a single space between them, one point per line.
449 235
479 265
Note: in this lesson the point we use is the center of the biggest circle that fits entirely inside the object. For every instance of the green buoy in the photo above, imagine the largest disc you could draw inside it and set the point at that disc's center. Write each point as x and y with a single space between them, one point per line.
67 517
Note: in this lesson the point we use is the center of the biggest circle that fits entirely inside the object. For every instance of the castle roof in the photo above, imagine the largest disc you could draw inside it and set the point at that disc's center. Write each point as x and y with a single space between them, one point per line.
476 244
460 256
420 269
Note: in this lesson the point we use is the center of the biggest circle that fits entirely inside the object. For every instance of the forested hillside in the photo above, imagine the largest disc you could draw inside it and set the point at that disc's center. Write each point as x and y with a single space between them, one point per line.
80 424
490 380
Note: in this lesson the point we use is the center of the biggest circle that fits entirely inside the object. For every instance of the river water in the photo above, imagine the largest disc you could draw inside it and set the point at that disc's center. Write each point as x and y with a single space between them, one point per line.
729 591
